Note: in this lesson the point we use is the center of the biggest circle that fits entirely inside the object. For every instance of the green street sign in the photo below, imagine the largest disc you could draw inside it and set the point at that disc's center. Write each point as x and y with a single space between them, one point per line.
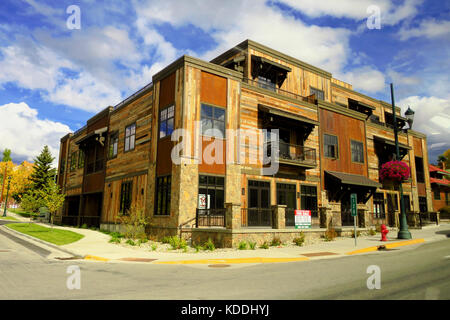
353 202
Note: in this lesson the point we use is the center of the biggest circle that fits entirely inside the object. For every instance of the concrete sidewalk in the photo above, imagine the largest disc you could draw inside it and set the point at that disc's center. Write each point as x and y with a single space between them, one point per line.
95 246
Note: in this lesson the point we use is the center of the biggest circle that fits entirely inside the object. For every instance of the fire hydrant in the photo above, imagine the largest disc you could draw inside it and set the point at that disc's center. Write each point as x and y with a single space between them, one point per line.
384 232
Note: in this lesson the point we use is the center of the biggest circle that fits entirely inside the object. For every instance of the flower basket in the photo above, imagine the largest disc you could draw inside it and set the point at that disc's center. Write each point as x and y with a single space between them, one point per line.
394 172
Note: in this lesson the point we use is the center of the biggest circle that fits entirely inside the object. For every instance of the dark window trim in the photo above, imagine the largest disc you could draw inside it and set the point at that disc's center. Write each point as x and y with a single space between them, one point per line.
224 121
159 120
125 137
73 161
207 186
167 214
81 159
314 213
337 146
351 151
112 135
126 197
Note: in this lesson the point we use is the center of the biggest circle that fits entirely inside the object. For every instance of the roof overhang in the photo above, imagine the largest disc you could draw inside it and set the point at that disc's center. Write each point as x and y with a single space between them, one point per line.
286 114
269 69
354 179
403 148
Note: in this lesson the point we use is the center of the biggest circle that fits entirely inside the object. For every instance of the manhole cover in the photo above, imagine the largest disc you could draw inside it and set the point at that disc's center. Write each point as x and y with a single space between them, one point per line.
219 265
318 254
137 259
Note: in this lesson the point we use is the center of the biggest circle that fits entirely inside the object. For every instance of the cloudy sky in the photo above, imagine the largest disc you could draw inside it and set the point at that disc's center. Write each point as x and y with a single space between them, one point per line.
52 78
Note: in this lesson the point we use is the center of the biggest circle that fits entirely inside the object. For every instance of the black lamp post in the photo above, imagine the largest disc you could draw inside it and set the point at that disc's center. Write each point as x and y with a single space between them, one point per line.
403 233
6 199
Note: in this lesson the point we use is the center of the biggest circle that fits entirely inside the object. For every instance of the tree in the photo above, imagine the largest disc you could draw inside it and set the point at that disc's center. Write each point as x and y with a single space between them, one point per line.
20 182
52 198
445 158
6 155
43 172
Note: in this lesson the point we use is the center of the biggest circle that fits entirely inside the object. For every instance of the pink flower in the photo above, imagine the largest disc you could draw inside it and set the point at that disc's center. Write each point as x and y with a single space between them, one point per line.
395 170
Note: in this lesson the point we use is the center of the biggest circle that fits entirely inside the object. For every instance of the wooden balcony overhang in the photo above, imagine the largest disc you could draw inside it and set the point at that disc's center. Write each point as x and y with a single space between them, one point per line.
354 179
340 185
361 107
285 114
269 69
390 146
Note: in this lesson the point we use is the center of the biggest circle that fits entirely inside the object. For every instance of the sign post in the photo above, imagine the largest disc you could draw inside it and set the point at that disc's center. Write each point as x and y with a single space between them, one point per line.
354 209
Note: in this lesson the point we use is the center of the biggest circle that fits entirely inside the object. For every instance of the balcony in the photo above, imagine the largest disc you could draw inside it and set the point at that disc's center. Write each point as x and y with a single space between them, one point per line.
292 154
274 88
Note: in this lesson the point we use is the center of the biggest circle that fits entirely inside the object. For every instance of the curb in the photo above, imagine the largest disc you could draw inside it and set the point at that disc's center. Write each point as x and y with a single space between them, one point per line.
95 258
232 261
40 241
388 246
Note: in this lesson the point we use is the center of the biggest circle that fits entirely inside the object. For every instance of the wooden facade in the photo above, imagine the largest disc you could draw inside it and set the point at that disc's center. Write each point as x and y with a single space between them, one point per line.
251 87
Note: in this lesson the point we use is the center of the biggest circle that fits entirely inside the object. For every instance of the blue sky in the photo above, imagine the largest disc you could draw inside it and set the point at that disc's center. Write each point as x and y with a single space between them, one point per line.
52 79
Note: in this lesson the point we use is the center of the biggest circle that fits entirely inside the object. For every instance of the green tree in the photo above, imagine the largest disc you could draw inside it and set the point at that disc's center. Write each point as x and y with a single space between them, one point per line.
445 158
52 198
6 155
43 173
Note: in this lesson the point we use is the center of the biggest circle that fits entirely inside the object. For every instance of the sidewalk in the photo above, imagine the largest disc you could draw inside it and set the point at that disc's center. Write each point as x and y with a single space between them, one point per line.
95 246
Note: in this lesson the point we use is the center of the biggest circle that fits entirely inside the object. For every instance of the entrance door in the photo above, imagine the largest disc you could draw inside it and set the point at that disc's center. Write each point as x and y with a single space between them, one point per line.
286 195
346 214
259 212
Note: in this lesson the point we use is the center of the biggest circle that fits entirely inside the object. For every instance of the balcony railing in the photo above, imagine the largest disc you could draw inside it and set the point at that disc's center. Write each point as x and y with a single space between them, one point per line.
210 218
294 153
274 88
256 217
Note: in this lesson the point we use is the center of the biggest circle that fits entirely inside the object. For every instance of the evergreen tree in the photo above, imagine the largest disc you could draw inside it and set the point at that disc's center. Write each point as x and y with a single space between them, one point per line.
43 173
6 155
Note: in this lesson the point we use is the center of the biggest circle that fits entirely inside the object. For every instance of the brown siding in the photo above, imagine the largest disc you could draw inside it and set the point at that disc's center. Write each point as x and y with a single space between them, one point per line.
167 91
213 89
213 168
163 159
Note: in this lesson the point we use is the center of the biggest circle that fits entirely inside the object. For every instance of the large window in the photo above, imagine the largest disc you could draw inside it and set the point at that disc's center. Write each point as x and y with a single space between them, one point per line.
213 121
419 170
162 205
378 206
211 192
266 83
330 146
423 204
94 158
437 194
113 145
130 137
73 161
309 199
357 149
125 197
80 159
166 121
319 93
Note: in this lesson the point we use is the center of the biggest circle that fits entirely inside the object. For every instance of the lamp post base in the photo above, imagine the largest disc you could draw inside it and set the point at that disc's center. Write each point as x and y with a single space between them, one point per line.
404 234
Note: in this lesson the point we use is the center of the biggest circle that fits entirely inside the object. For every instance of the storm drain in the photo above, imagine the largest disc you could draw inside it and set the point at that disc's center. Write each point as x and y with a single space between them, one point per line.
319 254
218 265
137 259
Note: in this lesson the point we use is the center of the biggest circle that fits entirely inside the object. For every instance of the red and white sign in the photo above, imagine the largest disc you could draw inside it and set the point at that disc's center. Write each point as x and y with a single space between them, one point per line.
302 219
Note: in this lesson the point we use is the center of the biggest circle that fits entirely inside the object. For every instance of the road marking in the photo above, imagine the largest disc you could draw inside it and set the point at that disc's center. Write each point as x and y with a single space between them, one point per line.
89 257
388 246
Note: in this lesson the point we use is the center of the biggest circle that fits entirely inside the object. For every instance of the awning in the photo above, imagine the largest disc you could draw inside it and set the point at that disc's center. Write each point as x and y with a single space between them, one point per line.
85 138
286 114
441 182
273 71
273 63
354 179
391 143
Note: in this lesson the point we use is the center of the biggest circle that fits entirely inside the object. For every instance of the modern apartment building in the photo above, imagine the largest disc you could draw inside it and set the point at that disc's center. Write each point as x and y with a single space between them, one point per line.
209 179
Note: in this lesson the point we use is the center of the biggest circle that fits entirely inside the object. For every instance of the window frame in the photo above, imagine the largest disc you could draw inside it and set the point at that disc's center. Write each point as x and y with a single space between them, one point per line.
114 135
73 161
306 194
313 90
337 146
351 151
213 120
126 197
128 137
167 196
81 159
214 187
381 204
166 120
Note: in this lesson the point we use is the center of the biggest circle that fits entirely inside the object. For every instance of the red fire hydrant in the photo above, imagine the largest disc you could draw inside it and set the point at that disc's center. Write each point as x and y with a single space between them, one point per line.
384 232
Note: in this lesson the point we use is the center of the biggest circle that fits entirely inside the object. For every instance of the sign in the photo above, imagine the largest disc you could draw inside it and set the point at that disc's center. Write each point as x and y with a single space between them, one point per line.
353 202
203 201
302 219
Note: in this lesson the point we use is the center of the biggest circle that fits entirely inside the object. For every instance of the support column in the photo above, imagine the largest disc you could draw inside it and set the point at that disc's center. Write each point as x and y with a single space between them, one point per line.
233 215
278 216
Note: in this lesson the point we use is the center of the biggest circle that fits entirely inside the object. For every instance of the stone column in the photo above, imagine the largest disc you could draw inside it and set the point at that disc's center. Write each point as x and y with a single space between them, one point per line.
278 216
233 215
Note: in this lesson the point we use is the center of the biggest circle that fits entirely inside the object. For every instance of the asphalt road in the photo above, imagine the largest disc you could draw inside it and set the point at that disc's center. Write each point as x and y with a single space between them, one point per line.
415 272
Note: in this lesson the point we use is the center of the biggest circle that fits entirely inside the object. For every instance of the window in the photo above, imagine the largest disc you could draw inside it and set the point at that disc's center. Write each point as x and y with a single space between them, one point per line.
166 121
130 137
94 158
423 204
319 93
113 145
73 161
213 121
357 149
162 205
309 199
437 194
211 192
419 170
80 159
407 202
330 146
266 83
378 206
125 197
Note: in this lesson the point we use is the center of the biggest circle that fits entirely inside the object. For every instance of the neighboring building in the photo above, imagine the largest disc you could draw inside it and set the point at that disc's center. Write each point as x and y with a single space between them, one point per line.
440 187
332 142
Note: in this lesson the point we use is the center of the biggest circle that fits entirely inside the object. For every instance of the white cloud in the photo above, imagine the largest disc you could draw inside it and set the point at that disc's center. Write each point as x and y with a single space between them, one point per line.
428 28
365 78
25 134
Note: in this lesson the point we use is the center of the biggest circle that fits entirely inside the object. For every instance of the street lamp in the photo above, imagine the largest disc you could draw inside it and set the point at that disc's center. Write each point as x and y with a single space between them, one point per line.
403 233
6 199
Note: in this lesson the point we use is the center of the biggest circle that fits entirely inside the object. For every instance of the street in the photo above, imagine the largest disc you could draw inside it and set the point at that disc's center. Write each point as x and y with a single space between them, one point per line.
417 272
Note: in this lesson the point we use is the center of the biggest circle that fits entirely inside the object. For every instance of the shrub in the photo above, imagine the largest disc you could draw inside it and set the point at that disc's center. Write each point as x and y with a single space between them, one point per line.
134 222
141 241
177 243
198 248
130 242
114 240
358 233
299 240
372 232
84 226
242 245
209 245
275 242
252 245
166 240
330 234
265 245
154 247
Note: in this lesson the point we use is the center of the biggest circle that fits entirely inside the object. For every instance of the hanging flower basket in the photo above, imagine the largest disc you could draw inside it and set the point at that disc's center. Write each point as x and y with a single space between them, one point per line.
394 172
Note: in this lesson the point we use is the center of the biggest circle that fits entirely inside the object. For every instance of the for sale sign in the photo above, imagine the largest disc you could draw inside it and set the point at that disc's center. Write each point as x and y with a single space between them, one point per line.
302 219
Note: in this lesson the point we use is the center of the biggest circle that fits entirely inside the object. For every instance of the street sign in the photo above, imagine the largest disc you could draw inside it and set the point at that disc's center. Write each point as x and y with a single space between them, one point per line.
353 202
302 219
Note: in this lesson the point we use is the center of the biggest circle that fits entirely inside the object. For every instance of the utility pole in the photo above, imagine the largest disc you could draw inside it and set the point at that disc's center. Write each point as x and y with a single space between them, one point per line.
3 184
